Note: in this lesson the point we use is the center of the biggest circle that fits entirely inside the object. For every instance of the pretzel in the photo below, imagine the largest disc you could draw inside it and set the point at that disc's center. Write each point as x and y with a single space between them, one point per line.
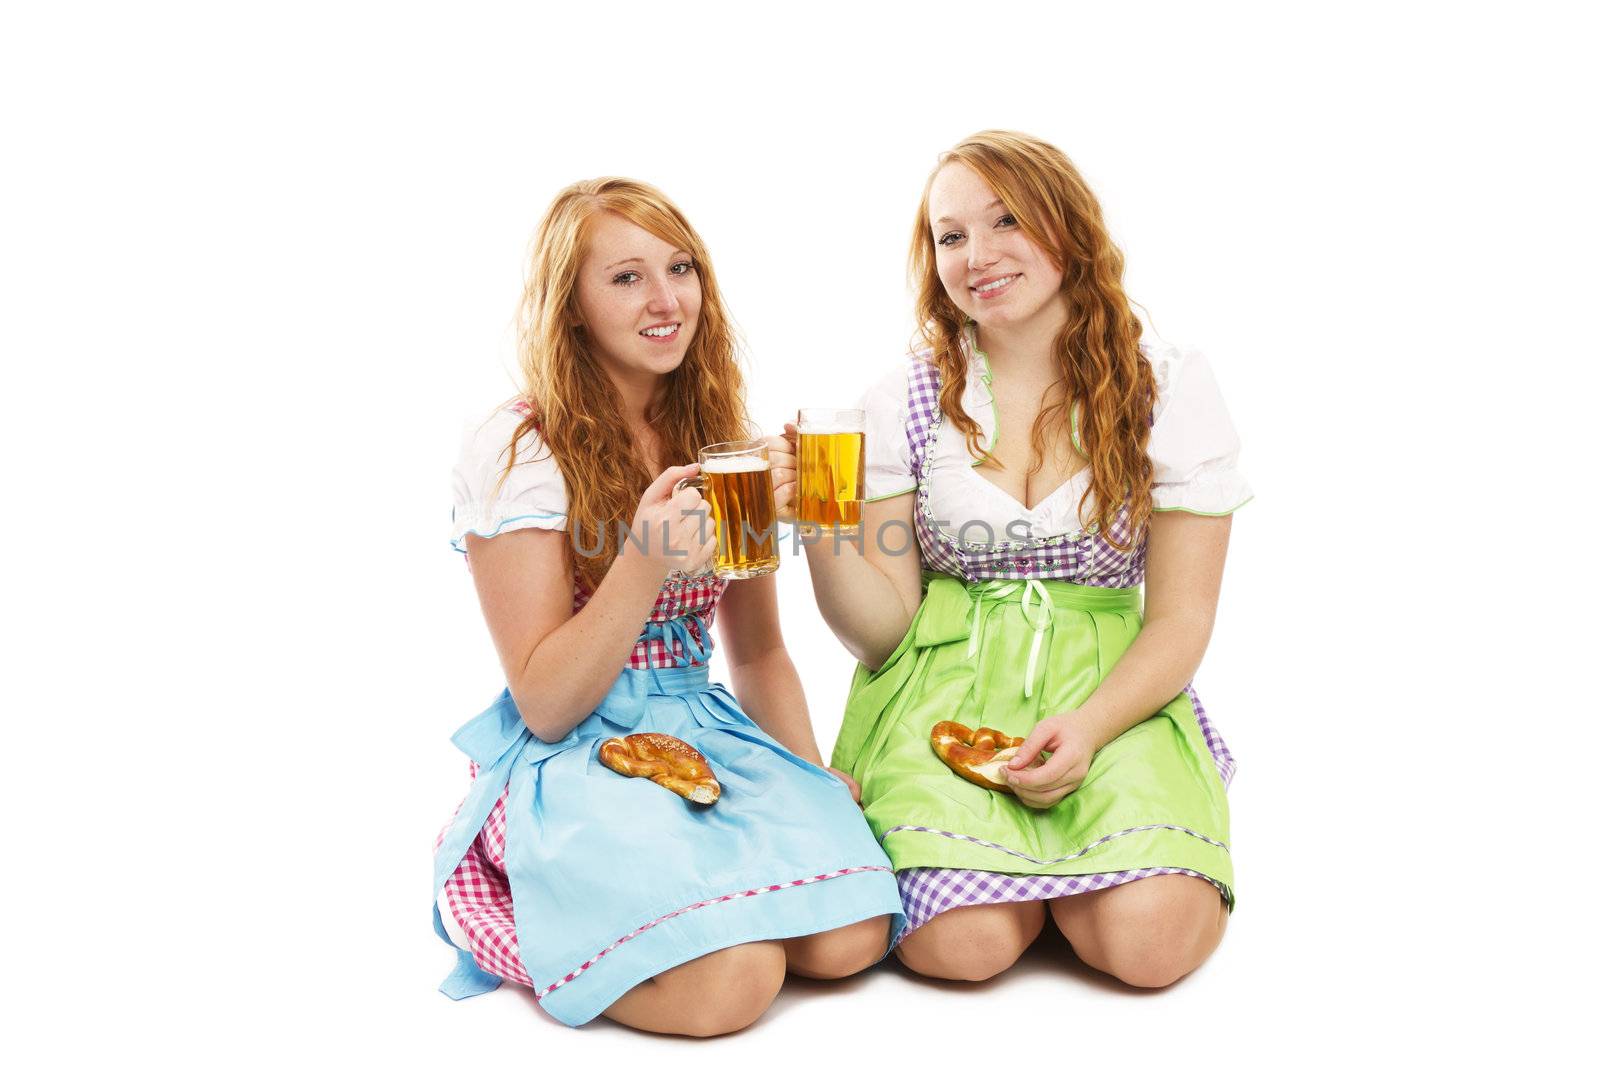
666 761
979 756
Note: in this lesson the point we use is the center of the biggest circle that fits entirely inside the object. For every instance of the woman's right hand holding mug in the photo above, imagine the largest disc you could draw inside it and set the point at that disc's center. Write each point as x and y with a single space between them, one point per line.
673 524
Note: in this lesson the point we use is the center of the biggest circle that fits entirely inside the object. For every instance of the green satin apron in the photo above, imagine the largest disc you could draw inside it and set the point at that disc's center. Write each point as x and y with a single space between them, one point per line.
1006 654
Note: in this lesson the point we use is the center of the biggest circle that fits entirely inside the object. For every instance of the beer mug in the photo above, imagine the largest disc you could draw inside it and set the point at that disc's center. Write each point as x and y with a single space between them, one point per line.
736 480
833 466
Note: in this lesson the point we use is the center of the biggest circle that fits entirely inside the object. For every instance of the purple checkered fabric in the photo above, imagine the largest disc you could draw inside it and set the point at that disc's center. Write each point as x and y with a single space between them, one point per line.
927 892
1085 850
1085 557
1218 747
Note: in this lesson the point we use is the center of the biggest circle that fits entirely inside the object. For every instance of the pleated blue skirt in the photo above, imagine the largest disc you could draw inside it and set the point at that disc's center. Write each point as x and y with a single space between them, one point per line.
614 879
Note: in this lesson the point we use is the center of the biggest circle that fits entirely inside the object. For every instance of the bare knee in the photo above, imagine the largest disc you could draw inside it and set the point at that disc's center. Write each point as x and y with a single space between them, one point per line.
1149 933
972 943
839 953
725 991
1154 966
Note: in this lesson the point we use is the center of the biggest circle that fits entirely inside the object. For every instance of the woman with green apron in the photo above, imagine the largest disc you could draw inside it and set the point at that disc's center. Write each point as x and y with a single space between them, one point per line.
1027 473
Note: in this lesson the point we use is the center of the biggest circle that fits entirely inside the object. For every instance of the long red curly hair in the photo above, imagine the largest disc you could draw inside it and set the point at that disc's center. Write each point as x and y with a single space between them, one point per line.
1097 351
575 408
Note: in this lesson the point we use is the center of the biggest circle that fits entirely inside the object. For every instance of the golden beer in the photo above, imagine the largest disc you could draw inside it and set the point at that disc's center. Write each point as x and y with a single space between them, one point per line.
735 480
739 490
833 467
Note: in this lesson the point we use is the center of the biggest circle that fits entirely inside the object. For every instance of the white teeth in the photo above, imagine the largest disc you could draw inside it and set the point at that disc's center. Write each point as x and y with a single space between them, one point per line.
995 285
661 331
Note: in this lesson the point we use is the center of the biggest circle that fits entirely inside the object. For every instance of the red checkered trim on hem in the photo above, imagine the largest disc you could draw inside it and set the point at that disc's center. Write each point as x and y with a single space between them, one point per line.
479 898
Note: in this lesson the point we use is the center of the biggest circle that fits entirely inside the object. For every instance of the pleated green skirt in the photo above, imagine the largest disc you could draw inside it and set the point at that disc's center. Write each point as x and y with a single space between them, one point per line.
1006 654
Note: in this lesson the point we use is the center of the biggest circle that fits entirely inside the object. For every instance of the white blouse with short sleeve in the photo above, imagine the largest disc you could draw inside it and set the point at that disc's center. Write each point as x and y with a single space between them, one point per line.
1193 448
533 495
888 450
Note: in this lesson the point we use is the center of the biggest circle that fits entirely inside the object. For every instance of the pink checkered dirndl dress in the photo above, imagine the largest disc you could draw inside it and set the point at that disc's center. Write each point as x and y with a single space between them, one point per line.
561 875
478 896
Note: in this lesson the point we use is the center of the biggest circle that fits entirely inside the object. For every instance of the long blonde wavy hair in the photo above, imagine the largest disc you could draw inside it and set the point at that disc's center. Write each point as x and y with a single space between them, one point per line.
573 405
1097 351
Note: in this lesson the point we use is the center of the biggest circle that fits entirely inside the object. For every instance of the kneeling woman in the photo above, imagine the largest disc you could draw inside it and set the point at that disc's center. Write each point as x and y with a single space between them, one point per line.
1040 462
608 894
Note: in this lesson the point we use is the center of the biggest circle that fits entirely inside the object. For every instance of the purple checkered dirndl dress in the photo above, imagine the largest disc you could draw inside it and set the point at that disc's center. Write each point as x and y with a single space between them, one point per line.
1084 558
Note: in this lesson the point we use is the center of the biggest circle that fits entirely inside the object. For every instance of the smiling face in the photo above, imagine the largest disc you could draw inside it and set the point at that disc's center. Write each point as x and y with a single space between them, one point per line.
638 299
988 266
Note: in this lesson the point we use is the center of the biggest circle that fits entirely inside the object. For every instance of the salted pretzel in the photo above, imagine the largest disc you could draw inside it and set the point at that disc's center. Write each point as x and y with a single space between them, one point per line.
666 761
979 755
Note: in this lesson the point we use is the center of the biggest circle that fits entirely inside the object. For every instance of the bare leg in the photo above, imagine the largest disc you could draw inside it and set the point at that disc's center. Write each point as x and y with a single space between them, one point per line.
972 943
1149 933
839 953
716 994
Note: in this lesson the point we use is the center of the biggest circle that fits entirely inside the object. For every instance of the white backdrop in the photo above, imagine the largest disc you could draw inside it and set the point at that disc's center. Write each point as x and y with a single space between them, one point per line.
260 263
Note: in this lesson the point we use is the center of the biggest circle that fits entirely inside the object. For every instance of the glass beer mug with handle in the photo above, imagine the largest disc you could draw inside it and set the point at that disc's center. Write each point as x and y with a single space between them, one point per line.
736 481
833 466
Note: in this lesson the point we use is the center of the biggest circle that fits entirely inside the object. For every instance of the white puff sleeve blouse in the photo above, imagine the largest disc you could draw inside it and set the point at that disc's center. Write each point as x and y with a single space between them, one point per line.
1193 448
1193 445
532 496
888 451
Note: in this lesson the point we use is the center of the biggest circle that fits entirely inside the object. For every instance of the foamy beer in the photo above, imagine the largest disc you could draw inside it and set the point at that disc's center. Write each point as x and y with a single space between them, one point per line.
833 465
736 480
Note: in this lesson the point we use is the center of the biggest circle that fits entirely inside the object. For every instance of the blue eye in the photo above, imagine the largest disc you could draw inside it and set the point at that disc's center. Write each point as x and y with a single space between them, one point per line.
949 239
627 277
1006 220
683 267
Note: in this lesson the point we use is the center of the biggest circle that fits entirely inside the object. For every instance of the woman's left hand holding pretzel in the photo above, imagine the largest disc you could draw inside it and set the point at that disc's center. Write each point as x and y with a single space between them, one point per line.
1071 751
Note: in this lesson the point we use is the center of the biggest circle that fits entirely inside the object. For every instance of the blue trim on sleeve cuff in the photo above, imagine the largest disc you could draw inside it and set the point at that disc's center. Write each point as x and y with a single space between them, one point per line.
539 516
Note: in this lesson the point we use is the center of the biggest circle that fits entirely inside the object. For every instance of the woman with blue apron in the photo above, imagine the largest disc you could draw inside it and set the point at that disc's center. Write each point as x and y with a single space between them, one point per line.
604 892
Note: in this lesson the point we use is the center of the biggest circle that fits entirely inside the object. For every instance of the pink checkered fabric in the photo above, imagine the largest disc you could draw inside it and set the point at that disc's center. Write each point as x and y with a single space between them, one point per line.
692 598
1085 557
477 894
479 898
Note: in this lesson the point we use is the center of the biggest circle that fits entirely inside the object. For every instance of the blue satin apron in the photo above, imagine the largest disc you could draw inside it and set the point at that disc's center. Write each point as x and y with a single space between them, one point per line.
593 857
